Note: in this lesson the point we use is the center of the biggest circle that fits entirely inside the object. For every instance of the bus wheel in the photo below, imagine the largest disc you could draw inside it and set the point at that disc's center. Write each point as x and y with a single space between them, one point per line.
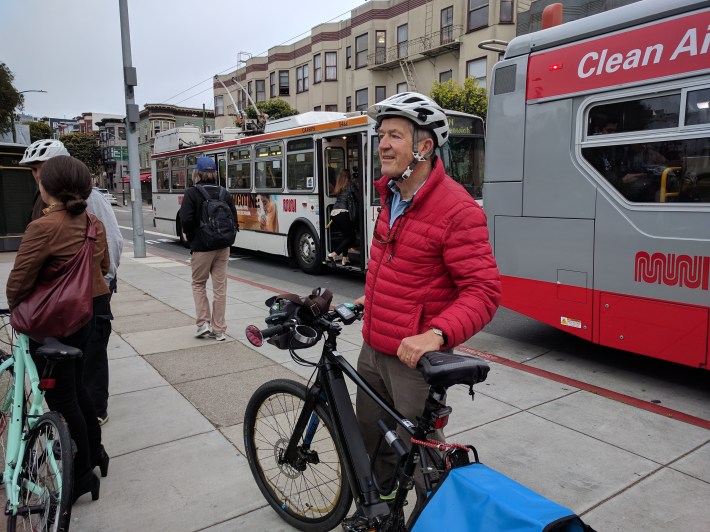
307 251
181 235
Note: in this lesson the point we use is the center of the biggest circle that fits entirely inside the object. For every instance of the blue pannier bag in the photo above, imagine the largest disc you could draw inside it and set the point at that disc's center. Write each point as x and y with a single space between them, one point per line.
475 498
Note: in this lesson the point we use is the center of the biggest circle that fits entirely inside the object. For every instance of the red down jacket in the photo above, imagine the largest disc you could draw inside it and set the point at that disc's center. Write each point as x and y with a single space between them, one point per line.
436 269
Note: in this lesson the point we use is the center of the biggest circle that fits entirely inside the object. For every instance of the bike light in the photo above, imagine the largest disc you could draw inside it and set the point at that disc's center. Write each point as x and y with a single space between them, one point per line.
441 422
47 384
254 336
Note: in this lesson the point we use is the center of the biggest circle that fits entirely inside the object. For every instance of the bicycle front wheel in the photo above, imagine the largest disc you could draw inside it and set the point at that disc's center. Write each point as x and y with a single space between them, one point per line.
312 492
46 478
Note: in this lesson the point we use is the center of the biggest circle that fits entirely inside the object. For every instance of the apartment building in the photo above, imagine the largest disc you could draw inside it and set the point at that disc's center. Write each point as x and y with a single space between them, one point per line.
385 47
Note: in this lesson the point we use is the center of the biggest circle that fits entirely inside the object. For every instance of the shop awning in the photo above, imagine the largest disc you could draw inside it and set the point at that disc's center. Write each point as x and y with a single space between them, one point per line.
145 178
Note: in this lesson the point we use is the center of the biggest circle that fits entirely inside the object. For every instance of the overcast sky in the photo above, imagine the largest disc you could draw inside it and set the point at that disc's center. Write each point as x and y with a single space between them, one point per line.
72 48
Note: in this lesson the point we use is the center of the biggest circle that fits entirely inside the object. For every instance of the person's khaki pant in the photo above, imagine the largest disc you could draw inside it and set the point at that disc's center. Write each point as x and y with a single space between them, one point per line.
400 386
205 264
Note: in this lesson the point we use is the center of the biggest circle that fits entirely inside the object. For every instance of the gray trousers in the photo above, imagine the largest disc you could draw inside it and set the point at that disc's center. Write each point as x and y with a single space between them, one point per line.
400 386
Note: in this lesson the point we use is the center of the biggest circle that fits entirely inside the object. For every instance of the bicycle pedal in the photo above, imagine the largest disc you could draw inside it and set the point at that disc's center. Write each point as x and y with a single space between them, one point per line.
356 523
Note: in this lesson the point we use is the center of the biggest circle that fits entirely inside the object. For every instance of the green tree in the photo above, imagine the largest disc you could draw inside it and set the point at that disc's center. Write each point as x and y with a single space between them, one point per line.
39 130
85 147
10 99
469 98
274 108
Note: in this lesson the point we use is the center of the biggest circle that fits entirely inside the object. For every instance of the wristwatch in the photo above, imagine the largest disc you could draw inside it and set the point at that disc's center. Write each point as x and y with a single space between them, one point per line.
441 333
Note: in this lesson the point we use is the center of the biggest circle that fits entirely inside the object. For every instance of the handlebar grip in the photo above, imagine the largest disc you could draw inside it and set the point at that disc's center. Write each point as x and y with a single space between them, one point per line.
273 331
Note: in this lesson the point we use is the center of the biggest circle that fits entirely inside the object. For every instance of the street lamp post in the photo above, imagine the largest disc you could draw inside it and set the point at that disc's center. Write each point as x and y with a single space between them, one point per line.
12 115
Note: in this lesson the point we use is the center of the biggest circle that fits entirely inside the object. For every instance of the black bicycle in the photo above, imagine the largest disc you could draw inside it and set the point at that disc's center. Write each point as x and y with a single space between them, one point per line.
303 443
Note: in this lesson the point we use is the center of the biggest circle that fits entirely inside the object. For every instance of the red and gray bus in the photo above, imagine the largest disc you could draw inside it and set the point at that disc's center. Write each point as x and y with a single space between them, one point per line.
597 178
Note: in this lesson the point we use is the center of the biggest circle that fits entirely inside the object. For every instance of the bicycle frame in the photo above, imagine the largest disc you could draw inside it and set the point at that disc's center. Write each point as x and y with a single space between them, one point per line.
22 363
330 382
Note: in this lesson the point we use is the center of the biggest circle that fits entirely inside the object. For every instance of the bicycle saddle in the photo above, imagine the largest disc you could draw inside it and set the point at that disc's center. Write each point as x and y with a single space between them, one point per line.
446 369
53 349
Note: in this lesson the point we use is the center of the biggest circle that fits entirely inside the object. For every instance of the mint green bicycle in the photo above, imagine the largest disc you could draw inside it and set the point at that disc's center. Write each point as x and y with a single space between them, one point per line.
37 472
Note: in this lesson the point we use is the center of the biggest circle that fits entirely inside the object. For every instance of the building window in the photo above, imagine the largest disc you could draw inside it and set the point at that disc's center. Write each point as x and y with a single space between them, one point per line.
477 69
316 69
316 108
477 14
380 47
402 87
249 86
348 56
361 100
272 85
506 11
260 90
445 76
348 104
219 105
402 39
331 108
380 93
121 133
283 83
331 66
447 25
361 51
301 78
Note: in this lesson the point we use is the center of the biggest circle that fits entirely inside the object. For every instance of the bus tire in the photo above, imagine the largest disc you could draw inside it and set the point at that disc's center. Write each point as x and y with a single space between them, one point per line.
306 250
182 236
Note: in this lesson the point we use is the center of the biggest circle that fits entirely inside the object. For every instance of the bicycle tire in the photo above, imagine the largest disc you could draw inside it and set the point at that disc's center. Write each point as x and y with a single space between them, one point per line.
316 499
47 464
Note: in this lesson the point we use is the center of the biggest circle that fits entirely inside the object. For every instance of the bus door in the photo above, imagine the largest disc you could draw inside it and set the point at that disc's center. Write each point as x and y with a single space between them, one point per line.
221 168
341 152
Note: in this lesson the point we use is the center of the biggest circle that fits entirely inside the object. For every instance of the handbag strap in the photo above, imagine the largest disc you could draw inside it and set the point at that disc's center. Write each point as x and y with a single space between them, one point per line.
90 227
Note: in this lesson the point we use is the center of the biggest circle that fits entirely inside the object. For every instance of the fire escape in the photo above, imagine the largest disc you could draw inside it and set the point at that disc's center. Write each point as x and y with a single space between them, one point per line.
403 55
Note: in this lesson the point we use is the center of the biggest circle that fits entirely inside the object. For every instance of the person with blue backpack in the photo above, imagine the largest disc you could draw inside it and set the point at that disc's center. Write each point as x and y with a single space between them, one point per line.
209 220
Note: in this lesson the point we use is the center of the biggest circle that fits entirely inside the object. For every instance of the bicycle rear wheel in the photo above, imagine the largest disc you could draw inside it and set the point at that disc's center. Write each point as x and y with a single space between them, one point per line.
313 495
46 478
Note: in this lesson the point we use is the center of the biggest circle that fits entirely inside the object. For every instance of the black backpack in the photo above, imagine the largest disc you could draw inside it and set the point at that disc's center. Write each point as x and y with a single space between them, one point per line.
218 228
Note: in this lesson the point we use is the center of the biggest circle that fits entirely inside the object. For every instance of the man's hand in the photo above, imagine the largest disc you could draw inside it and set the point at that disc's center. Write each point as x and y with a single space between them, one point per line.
413 348
360 301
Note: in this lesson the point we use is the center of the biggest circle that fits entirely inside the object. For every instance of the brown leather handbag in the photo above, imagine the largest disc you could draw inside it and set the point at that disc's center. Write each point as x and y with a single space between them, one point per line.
62 301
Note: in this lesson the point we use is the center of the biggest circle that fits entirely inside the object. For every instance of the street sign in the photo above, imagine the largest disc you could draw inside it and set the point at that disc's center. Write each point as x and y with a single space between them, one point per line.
119 153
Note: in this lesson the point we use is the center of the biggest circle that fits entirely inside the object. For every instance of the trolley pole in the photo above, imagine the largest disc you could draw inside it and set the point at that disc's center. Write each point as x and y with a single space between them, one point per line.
130 81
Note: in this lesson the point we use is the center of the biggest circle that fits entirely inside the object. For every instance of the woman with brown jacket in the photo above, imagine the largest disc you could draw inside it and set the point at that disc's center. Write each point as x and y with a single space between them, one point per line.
51 240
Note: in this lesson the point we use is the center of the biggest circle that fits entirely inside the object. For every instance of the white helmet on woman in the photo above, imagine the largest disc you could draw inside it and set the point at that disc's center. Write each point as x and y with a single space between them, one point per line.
43 150
420 109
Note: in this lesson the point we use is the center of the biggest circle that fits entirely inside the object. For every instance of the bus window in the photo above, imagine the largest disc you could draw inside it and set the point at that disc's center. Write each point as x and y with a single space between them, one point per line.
191 165
299 166
463 160
162 179
376 170
178 173
657 112
239 170
334 162
697 107
269 172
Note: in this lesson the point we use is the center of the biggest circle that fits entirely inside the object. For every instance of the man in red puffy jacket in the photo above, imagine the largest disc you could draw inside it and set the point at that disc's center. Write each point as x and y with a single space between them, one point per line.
432 281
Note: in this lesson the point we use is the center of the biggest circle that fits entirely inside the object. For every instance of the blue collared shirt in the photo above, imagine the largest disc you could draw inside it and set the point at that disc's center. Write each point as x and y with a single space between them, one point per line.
398 204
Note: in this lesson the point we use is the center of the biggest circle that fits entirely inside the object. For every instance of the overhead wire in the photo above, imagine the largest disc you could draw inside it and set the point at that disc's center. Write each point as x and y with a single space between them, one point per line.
234 67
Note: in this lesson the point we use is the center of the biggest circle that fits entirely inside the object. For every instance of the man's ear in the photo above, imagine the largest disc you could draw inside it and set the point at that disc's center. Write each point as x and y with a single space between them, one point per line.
427 145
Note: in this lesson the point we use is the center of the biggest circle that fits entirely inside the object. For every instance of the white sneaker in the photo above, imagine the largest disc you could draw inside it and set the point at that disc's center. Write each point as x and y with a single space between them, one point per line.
220 337
203 330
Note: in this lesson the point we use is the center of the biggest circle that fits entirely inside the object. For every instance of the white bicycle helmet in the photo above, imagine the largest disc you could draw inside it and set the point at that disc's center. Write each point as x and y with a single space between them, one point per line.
420 109
424 112
43 150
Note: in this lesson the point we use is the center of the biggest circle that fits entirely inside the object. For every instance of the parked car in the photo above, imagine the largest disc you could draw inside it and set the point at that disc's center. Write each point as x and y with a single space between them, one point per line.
106 194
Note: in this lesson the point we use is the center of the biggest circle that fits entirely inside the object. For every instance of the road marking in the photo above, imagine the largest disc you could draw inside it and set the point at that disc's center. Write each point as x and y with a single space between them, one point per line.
162 241
147 232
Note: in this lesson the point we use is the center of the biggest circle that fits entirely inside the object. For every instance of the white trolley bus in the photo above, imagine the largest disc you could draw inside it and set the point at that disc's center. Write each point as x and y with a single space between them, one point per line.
597 178
282 179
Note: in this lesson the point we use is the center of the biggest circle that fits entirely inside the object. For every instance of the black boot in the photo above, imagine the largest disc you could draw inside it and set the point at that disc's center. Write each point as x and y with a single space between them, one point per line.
88 482
103 461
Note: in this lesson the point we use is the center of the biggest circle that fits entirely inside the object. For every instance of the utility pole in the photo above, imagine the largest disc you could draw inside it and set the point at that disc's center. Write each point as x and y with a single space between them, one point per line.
132 118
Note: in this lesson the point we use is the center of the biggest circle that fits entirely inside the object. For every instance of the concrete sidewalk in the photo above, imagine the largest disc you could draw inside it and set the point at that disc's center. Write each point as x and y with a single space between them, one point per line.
177 403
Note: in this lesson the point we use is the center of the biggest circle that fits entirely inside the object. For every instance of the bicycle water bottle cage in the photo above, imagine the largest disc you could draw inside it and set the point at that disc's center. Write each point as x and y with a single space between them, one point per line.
446 369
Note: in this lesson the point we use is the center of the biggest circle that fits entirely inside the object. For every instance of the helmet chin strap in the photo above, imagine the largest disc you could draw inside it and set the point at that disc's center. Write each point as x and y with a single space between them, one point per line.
416 158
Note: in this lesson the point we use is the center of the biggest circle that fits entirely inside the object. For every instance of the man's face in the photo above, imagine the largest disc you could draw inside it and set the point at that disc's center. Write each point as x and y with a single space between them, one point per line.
395 145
